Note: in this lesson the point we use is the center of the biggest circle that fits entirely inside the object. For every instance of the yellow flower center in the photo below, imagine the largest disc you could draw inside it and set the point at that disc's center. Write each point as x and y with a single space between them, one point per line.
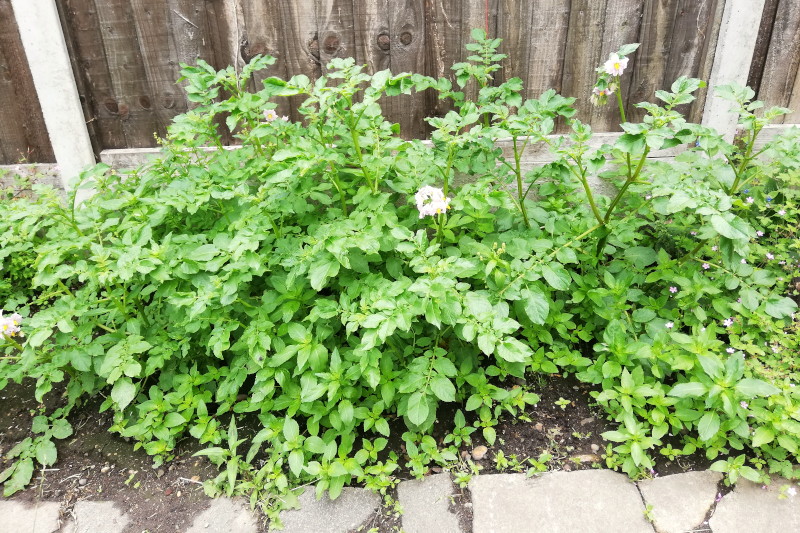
616 66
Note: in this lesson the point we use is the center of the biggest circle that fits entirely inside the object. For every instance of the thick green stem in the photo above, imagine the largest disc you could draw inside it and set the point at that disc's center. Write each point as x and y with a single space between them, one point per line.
627 184
619 103
745 160
518 172
587 189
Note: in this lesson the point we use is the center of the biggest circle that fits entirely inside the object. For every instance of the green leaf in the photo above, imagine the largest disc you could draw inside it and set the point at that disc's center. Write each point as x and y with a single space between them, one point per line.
708 426
751 388
536 305
23 472
490 435
557 276
296 462
346 411
513 351
777 307
443 388
173 420
123 392
321 271
61 428
693 388
641 256
46 452
727 229
418 408
762 436
291 430
643 315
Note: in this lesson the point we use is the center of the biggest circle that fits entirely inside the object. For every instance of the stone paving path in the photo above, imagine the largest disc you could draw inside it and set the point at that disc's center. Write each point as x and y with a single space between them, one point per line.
587 501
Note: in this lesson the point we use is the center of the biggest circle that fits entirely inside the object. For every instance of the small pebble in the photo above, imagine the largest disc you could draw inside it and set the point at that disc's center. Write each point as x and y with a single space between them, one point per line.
178 494
82 481
588 420
595 448
195 478
160 472
168 492
105 469
538 426
479 452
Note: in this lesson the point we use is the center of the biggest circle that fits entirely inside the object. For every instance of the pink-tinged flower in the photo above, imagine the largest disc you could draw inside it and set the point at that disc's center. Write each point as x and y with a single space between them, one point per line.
714 248
597 91
270 115
744 261
673 290
770 257
728 322
791 491
776 349
648 197
759 233
749 200
431 201
615 65
743 404
782 212
706 266
10 325
669 325
285 118
730 350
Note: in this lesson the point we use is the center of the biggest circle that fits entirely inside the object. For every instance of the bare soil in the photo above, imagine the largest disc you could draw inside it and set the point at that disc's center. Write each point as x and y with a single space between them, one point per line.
94 464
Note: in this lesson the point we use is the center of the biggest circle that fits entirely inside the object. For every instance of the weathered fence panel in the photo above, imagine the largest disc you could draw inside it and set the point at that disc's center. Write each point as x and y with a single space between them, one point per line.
776 72
23 135
129 50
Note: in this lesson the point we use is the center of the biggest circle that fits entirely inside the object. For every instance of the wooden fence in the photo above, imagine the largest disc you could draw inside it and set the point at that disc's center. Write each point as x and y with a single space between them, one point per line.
126 53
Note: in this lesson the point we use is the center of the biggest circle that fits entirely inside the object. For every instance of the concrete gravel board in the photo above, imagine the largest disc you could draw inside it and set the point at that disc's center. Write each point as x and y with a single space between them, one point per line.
225 515
96 517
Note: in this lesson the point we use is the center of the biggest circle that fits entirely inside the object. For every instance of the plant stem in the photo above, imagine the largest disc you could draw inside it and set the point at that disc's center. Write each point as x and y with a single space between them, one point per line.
627 184
518 172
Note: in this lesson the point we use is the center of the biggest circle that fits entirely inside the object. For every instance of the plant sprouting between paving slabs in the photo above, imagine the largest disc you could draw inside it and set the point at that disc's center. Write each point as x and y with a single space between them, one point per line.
340 284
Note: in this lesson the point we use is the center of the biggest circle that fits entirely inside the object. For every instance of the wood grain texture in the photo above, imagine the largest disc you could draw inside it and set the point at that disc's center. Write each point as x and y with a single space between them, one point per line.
691 30
128 74
23 134
82 32
783 56
621 25
299 41
762 44
407 36
583 52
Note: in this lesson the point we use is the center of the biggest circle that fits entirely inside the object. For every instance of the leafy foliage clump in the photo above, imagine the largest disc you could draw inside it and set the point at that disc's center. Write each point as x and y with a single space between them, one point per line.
293 280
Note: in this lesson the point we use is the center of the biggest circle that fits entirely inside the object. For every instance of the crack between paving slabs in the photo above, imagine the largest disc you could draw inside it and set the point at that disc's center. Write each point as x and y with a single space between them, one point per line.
704 527
644 504
461 505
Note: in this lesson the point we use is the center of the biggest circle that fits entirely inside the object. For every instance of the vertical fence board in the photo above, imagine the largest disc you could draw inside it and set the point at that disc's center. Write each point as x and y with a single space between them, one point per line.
300 42
82 30
648 65
23 134
762 44
336 32
371 29
783 56
407 34
582 54
128 75
620 26
693 26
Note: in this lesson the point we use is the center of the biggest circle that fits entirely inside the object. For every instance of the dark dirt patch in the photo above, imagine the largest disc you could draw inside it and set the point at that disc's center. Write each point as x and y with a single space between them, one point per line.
94 464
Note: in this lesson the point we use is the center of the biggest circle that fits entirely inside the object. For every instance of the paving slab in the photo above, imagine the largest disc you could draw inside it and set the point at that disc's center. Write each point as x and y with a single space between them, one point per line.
680 501
586 501
225 515
18 517
749 508
351 509
96 517
426 505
